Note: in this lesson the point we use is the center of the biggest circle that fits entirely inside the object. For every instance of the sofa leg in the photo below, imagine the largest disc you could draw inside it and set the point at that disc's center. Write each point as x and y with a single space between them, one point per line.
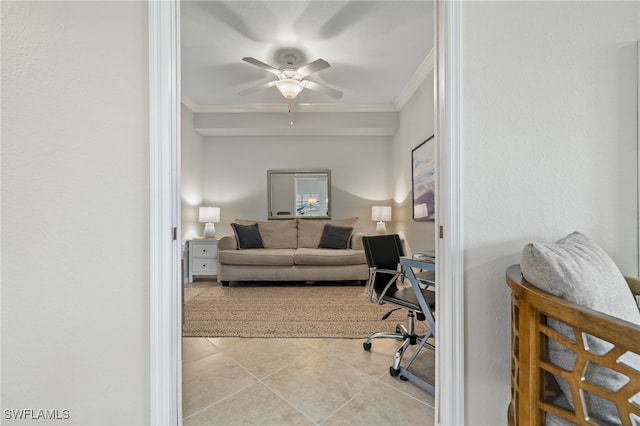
225 283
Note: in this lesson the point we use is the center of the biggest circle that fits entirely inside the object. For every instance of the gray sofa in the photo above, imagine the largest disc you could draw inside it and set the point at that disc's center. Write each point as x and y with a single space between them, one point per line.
292 251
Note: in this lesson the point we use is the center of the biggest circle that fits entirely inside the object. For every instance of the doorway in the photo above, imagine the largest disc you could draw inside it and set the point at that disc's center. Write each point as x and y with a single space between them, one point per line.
165 254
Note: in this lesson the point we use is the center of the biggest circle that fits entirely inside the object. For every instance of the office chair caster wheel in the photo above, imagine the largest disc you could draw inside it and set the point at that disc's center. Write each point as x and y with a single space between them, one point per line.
366 346
393 372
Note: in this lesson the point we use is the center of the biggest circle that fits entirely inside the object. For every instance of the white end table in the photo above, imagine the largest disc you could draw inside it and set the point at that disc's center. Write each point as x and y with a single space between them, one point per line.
203 257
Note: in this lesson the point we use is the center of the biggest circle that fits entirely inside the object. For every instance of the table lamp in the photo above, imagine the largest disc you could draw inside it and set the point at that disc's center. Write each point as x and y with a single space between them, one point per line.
209 215
381 214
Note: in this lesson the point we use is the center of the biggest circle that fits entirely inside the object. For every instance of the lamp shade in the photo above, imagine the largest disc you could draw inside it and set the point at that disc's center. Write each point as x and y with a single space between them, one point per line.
209 214
381 213
289 87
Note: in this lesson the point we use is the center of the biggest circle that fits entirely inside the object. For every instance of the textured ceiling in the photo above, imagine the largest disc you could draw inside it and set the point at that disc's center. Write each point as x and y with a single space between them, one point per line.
374 48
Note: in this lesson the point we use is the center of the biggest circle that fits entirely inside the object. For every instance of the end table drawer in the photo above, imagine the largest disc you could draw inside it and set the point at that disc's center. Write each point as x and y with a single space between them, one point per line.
204 265
203 257
204 250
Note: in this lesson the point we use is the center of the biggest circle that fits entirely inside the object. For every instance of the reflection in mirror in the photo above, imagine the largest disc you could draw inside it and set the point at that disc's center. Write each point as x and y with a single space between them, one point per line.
299 193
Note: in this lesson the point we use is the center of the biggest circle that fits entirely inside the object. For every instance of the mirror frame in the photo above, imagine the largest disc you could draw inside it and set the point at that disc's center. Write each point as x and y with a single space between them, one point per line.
272 172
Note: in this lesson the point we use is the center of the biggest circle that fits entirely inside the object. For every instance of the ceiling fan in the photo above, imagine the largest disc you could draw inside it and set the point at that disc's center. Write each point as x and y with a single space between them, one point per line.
291 79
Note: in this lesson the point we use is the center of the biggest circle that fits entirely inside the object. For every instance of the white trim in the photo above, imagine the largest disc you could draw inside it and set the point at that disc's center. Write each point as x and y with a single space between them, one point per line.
284 107
450 374
164 210
189 103
295 131
416 80
165 318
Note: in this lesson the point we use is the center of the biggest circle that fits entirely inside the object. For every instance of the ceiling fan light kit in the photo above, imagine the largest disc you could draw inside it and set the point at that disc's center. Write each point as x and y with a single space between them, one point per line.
289 87
291 79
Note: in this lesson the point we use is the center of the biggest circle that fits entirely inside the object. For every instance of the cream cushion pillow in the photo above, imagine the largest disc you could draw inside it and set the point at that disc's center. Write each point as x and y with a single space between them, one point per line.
276 233
578 270
310 230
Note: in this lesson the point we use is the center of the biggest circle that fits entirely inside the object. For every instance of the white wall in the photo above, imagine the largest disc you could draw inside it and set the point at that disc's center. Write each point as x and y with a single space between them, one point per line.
235 173
192 175
75 209
549 138
416 125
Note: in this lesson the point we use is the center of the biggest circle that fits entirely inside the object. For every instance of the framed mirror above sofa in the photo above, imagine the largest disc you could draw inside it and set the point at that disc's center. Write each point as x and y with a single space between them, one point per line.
299 193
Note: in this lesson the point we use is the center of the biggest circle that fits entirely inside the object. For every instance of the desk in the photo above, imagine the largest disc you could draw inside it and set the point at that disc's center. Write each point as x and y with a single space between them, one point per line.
409 264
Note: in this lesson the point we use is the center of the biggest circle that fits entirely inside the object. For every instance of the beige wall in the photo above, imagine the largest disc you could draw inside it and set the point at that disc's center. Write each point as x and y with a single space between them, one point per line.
230 172
235 173
416 125
192 176
75 209
549 142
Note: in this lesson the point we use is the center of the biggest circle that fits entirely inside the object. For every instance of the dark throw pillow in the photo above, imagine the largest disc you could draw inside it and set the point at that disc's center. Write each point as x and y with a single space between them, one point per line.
335 237
247 236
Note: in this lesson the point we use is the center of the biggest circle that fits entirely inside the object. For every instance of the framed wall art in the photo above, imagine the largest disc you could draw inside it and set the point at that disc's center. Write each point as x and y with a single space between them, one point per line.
423 180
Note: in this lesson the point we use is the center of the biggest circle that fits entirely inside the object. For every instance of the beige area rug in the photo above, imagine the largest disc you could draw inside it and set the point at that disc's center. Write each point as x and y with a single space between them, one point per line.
288 311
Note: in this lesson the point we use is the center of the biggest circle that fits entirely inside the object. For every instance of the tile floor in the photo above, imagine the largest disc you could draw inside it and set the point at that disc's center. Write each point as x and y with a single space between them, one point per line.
298 381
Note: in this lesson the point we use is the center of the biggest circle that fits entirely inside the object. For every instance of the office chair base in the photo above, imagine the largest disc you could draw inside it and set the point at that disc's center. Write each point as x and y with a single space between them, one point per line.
367 345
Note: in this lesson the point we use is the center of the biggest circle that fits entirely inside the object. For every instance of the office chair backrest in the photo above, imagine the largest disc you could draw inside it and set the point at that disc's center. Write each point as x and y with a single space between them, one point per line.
383 252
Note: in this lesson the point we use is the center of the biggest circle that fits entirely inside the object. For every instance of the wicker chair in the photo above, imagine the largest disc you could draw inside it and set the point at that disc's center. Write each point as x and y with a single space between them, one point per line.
535 397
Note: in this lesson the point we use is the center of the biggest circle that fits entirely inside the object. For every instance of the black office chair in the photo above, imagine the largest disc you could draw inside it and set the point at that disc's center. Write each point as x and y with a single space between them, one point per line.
383 254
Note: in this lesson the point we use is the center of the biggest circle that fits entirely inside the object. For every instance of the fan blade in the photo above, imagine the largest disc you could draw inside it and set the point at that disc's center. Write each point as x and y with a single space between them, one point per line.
311 67
262 86
322 89
254 61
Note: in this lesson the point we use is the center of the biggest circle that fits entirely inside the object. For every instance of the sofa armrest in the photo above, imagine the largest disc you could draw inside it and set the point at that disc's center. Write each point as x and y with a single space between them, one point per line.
227 243
356 241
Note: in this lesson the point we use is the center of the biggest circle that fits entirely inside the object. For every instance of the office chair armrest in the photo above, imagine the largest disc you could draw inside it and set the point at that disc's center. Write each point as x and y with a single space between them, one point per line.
389 271
377 298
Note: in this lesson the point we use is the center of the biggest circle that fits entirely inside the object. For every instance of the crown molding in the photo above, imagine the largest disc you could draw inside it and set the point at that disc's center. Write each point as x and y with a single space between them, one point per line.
283 107
188 102
293 131
414 83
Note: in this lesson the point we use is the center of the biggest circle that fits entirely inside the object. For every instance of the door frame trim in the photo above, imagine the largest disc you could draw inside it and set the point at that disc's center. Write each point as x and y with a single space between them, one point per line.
165 305
164 215
450 351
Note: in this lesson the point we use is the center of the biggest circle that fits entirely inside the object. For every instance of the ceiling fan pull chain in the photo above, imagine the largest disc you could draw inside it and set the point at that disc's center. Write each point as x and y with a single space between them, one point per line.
290 113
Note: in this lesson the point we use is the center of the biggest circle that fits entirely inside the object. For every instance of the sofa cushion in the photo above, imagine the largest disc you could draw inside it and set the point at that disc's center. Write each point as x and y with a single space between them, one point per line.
247 236
335 237
328 257
276 233
259 257
578 270
310 230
